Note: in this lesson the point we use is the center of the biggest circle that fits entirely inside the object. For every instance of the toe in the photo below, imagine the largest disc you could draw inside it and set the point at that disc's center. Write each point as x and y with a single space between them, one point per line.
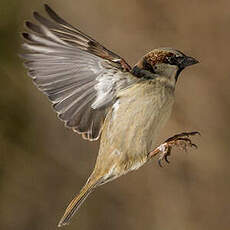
166 159
159 162
194 133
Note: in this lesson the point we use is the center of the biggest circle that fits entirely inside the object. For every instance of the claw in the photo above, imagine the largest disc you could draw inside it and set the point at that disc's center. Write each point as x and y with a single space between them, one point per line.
195 133
190 133
166 159
194 146
184 134
184 139
181 140
159 162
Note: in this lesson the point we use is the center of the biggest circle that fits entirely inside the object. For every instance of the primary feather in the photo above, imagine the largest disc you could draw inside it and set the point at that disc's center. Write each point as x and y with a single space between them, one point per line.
80 77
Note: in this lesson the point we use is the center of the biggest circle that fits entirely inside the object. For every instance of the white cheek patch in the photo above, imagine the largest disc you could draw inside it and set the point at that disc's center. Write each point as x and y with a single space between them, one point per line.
172 70
168 70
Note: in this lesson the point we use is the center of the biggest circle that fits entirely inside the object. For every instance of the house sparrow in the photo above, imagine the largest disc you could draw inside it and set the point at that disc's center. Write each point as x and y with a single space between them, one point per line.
96 93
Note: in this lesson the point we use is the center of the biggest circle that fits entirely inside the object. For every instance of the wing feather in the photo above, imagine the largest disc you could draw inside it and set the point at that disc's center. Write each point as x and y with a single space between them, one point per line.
80 77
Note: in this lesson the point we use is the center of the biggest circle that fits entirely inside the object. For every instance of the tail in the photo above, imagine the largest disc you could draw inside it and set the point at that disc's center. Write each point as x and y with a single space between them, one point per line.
76 203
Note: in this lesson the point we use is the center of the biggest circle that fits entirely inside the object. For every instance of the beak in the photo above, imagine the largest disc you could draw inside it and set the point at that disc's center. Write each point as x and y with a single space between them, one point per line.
188 61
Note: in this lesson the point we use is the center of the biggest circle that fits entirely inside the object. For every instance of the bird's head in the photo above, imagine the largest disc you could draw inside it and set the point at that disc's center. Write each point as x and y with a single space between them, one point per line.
163 62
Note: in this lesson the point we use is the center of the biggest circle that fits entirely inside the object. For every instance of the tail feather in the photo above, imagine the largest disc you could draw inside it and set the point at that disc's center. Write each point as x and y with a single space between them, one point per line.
75 204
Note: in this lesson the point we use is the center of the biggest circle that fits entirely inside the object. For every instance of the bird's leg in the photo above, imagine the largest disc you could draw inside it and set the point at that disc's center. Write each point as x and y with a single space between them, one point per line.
181 140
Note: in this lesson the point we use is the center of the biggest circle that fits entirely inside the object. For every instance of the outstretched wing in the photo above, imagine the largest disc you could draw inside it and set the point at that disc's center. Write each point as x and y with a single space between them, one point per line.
79 76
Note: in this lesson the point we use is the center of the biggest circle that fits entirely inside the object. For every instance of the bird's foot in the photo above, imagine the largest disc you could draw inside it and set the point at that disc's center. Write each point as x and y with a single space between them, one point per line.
181 141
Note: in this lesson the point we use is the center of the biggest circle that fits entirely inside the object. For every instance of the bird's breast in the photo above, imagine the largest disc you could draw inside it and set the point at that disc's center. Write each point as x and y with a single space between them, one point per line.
135 120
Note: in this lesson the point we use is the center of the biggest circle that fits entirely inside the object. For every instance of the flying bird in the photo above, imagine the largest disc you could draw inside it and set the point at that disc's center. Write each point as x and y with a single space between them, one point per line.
99 95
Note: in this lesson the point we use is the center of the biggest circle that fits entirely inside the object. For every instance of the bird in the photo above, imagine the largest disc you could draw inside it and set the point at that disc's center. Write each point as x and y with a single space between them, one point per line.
99 95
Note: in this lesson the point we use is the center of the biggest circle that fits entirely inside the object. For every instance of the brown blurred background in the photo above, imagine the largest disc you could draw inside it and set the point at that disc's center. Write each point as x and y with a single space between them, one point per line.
43 164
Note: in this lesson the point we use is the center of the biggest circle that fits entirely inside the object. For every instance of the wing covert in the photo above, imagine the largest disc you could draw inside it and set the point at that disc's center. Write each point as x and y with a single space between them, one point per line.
80 77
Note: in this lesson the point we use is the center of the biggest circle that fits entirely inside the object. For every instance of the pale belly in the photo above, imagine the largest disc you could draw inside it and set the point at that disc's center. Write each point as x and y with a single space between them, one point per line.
133 125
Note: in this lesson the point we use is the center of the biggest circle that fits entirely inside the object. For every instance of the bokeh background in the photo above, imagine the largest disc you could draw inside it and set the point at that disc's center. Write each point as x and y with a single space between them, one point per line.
43 164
